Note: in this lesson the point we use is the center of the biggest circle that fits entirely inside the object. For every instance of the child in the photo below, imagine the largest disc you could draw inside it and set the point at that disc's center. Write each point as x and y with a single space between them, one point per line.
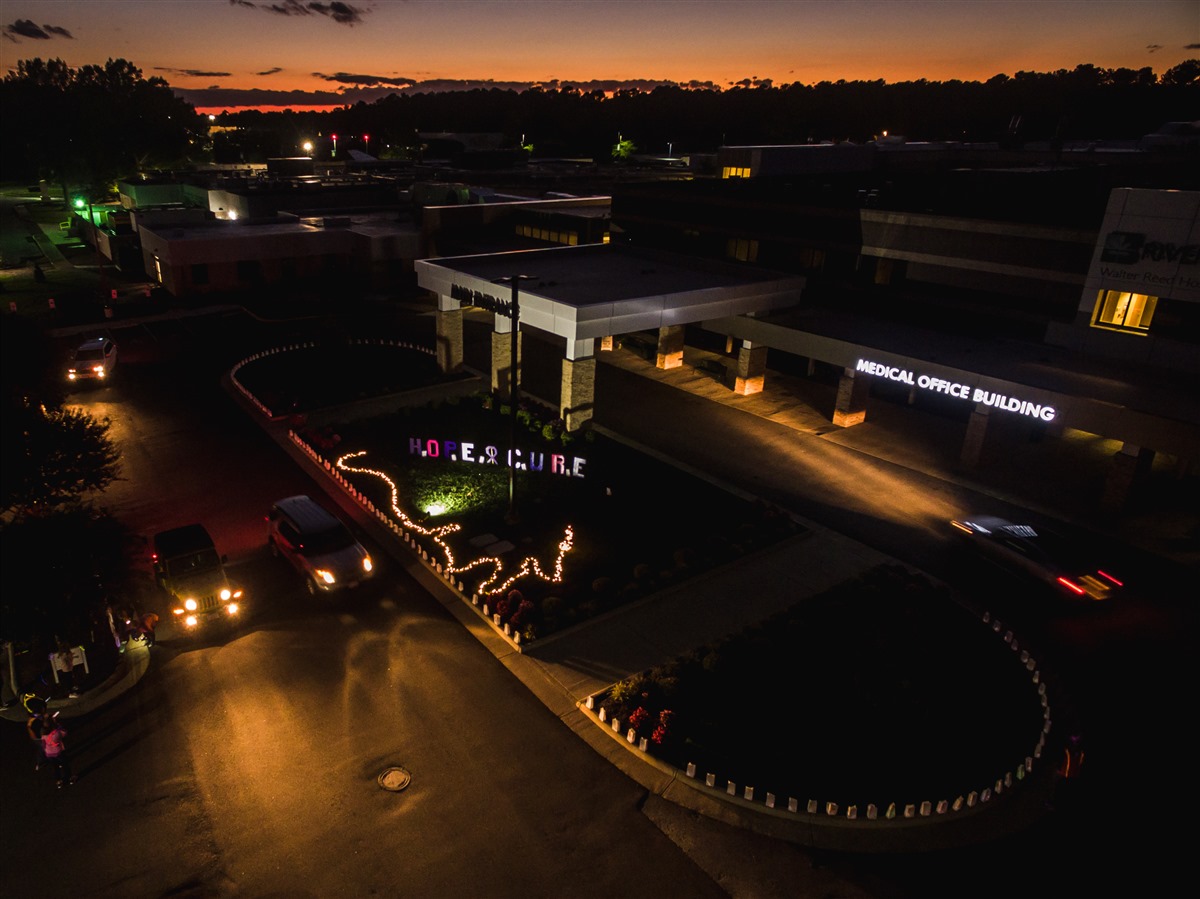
54 737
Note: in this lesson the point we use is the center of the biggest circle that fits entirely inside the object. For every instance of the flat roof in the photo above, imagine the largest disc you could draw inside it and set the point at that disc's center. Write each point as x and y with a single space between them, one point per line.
603 289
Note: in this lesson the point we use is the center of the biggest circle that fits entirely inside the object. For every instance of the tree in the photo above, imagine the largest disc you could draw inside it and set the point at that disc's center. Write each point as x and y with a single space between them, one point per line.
90 126
53 458
57 571
1186 73
622 150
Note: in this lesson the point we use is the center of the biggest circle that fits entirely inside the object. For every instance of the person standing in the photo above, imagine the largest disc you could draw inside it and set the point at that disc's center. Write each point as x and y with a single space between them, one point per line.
54 744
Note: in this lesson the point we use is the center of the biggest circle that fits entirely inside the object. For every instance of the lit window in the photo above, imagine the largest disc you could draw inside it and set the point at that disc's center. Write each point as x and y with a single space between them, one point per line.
735 171
1123 311
158 276
742 249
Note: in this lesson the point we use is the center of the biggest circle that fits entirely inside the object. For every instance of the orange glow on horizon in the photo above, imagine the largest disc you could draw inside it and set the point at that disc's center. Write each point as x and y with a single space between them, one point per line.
218 110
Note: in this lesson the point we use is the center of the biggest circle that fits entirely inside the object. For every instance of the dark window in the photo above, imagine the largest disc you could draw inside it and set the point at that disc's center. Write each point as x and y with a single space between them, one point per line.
200 273
249 271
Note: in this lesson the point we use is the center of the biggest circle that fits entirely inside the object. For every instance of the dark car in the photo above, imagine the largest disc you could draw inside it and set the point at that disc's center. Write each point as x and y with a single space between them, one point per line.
1066 565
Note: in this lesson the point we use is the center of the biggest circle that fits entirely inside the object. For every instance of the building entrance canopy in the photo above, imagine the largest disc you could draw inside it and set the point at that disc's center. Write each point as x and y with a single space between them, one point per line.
581 293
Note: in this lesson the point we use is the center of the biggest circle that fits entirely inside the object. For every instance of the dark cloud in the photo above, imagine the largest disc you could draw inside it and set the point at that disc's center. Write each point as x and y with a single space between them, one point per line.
366 80
1153 47
342 13
193 73
27 28
1191 46
273 71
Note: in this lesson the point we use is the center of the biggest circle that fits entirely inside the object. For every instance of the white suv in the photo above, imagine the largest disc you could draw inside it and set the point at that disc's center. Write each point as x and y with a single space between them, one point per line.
318 545
94 359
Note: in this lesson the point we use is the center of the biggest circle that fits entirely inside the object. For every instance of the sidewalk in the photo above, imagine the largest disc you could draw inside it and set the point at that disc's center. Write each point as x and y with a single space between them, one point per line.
131 666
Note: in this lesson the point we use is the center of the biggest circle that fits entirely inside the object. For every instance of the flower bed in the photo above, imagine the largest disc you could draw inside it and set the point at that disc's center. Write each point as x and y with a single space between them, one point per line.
880 690
633 524
317 375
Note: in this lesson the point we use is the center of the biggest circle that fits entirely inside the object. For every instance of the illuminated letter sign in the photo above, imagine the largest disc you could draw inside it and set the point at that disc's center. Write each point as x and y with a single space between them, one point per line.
521 460
952 388
481 299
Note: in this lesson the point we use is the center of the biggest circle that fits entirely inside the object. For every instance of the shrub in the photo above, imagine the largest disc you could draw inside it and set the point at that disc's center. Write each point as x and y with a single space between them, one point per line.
684 557
623 691
642 572
638 717
663 730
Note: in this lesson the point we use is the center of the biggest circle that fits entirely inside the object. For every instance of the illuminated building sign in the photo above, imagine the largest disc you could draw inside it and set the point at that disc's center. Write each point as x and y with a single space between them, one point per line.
952 388
523 460
481 299
1129 247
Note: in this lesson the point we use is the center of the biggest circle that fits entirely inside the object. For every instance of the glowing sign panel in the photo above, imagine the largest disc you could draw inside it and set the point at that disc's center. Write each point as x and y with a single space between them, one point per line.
952 388
521 460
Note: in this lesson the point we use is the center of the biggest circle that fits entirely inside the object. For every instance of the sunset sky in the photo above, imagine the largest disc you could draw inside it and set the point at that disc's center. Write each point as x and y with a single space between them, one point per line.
224 54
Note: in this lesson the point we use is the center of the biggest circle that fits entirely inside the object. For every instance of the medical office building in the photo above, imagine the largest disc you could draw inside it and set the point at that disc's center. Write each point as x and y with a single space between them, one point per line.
1023 297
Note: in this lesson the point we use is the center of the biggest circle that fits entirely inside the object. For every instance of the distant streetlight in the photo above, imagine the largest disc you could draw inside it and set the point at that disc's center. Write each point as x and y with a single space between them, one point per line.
334 136
308 147
514 383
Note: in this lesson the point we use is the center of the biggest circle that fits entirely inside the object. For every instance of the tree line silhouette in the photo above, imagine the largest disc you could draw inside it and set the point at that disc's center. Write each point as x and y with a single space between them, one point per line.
1086 103
97 123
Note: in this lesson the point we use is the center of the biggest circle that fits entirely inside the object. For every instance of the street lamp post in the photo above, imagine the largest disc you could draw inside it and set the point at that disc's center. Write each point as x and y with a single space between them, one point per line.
80 202
514 385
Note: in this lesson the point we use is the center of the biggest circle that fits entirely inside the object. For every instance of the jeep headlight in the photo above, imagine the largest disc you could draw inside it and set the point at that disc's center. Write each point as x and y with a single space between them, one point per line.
325 575
367 564
190 604
226 594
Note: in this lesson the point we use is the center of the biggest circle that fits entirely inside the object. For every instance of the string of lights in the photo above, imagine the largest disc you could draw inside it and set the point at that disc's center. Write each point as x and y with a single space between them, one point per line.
490 585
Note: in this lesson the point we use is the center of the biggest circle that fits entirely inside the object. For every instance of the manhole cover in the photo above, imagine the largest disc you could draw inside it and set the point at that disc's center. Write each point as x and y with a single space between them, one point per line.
394 779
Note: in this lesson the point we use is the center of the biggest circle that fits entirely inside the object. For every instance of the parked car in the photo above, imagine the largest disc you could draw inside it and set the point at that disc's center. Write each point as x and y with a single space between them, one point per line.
95 359
318 545
1066 565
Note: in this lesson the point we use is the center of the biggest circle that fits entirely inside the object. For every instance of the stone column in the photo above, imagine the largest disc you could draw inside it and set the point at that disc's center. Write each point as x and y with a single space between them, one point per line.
670 347
972 446
578 392
502 360
850 408
751 369
449 338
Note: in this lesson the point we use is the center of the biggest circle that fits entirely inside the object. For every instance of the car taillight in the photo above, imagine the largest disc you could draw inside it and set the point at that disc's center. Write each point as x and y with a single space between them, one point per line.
1072 586
1108 577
